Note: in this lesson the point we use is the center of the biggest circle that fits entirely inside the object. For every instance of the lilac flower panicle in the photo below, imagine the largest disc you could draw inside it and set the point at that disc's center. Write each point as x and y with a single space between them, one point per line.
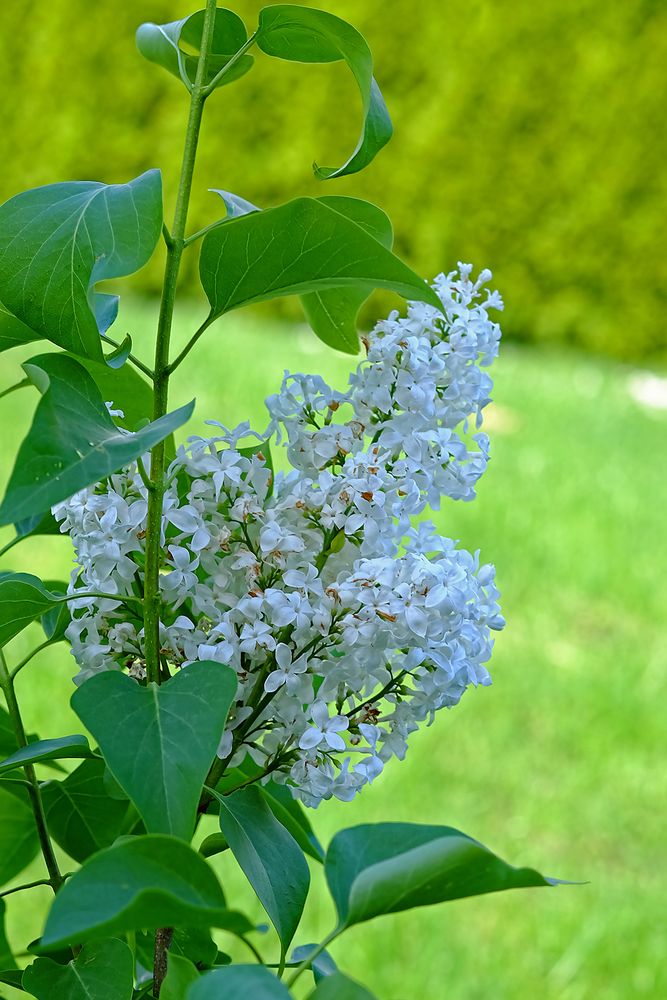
348 619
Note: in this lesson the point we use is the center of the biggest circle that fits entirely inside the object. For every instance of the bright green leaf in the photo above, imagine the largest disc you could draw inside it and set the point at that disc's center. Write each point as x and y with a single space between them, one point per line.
73 442
303 246
181 973
339 987
81 815
238 982
332 313
103 970
159 742
23 598
57 241
18 834
270 858
164 44
388 867
139 883
62 748
300 34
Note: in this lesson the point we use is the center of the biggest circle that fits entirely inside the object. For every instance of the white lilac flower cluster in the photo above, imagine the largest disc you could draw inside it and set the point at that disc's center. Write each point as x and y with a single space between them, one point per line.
348 620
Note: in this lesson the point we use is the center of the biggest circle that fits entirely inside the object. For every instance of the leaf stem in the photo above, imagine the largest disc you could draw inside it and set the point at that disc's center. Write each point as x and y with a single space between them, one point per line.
28 885
26 660
7 686
161 370
190 344
309 959
19 385
210 87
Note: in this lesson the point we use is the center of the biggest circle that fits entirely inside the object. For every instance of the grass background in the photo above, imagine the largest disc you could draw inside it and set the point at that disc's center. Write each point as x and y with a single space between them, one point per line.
560 764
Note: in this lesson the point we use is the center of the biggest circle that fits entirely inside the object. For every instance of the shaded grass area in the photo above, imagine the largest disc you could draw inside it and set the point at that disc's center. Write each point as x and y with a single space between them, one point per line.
559 764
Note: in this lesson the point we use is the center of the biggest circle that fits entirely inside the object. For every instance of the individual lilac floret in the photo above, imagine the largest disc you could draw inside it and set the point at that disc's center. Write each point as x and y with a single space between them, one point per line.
348 619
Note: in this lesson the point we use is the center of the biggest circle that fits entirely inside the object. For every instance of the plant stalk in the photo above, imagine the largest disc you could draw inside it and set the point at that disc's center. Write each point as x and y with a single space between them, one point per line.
161 373
7 685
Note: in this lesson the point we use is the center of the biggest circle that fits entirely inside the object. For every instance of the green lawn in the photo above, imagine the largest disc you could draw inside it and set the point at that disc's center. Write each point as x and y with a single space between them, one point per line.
557 765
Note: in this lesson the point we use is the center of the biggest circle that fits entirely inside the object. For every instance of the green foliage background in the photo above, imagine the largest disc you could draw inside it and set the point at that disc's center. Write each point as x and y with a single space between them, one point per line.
529 138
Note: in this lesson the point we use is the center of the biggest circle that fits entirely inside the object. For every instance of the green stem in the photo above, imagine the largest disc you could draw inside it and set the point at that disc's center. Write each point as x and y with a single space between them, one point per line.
131 357
161 372
26 660
13 388
7 685
232 62
28 885
190 344
309 959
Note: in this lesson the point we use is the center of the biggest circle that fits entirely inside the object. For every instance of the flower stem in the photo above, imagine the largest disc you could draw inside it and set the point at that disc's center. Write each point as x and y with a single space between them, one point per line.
175 248
7 686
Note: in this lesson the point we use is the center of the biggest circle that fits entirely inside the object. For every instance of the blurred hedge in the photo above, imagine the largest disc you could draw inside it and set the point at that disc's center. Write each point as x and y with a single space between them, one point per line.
529 137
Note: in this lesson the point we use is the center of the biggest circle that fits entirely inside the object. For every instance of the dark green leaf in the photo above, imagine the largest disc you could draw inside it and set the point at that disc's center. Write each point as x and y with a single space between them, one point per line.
6 958
216 843
239 982
332 313
292 815
301 34
125 388
23 599
36 753
322 965
18 834
270 858
163 44
387 867
139 883
8 742
14 333
57 241
339 987
103 970
181 973
73 442
159 742
81 816
303 246
55 621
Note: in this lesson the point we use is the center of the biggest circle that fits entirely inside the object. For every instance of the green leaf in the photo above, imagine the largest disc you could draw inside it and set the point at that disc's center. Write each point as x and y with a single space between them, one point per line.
73 442
125 388
7 734
159 742
18 834
103 970
303 246
81 815
234 204
23 599
57 241
138 884
239 982
6 958
36 753
339 987
291 814
181 973
214 844
270 858
322 965
332 313
56 620
300 34
388 867
14 333
163 44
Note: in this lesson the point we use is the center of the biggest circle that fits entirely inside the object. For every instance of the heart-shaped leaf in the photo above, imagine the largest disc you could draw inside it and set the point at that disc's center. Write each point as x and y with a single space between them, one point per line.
103 970
239 982
62 748
387 867
139 883
57 241
81 815
300 34
270 858
303 246
332 313
164 44
18 834
181 973
159 742
73 441
337 986
23 599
